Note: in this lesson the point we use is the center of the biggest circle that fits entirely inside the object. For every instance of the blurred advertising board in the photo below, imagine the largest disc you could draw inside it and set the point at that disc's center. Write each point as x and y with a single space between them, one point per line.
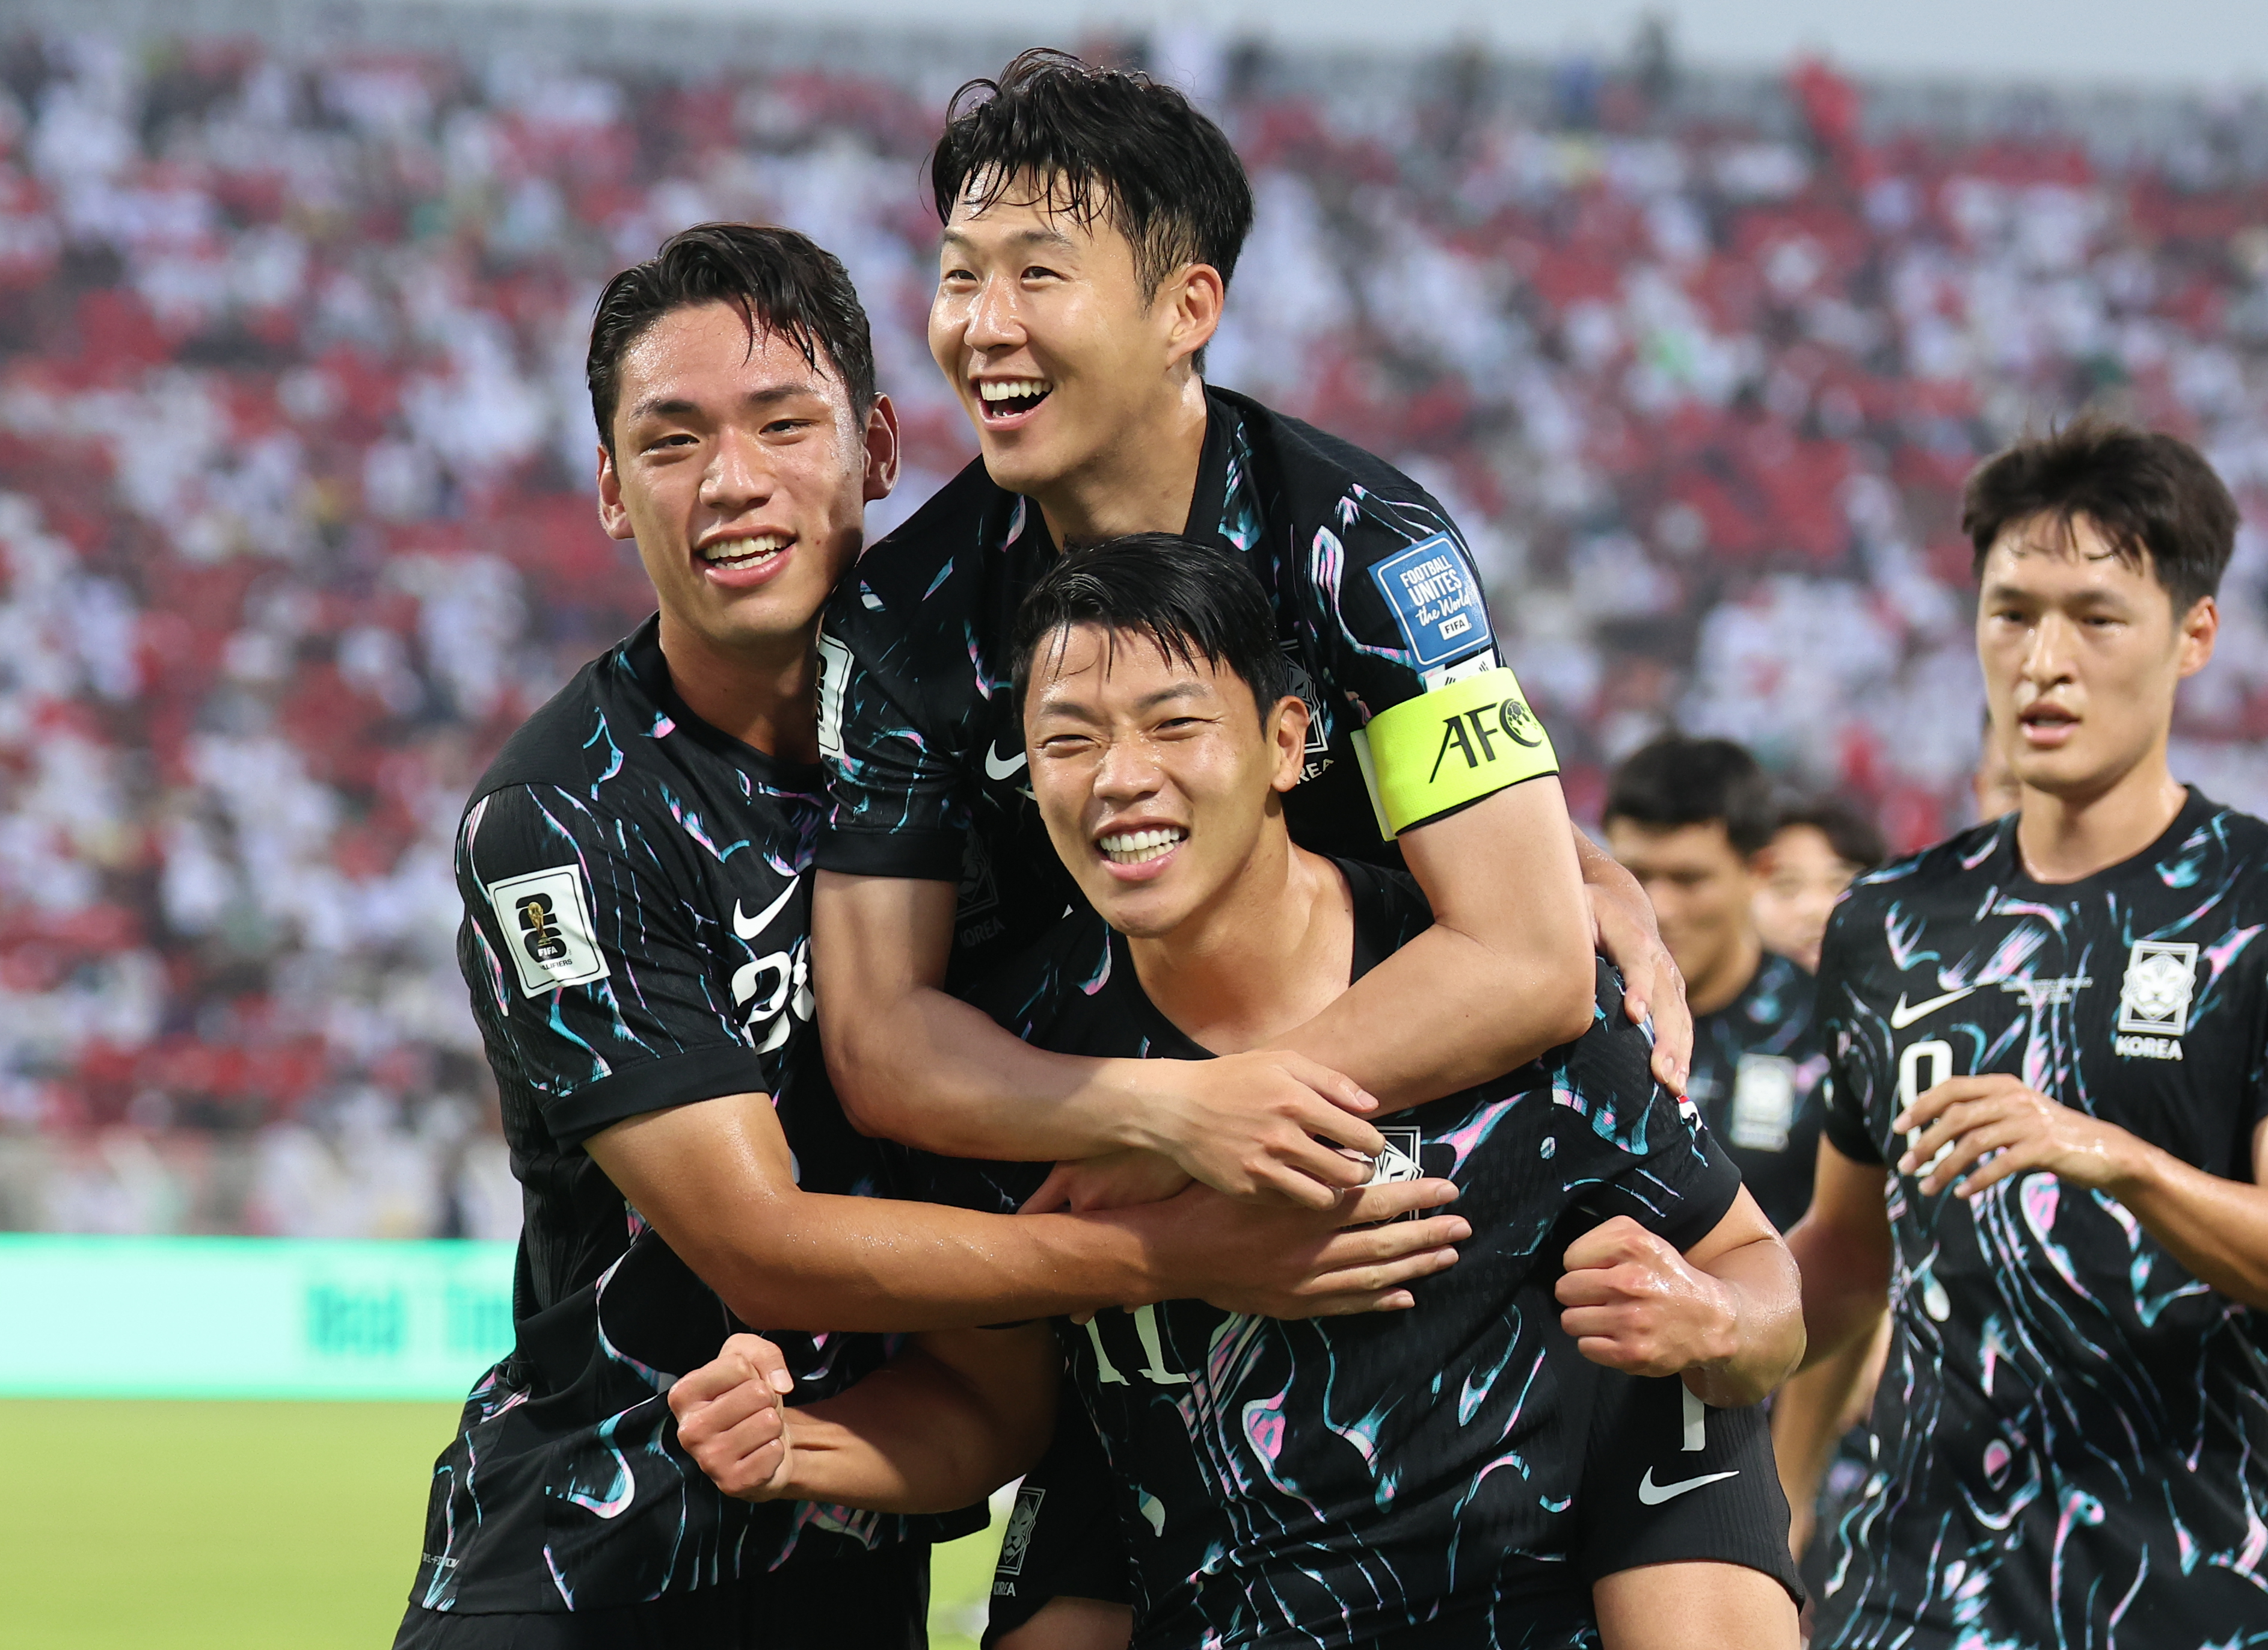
225 1317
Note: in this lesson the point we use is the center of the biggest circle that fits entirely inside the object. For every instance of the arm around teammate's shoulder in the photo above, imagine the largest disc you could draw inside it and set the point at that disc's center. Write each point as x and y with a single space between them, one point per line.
717 1180
1504 972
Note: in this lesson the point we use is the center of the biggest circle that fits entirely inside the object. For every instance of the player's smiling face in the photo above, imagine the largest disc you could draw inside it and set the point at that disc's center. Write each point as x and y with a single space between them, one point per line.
2082 652
1156 776
1041 325
743 473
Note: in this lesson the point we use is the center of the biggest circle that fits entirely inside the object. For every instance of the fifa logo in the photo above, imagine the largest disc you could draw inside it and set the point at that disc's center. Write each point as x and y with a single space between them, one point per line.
539 931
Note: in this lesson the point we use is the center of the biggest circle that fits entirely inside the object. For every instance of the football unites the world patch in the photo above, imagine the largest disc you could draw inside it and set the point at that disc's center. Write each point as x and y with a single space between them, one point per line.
545 918
1436 601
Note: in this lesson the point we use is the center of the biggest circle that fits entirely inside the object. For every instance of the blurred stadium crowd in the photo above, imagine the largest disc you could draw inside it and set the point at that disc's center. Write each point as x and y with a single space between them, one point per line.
295 521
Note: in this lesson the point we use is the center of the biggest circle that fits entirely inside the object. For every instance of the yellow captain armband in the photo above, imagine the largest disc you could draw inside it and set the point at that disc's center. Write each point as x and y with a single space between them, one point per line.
1450 746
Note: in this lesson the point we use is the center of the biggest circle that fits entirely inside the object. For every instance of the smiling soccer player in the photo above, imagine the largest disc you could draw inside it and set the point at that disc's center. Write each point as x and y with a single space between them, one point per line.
1421 1483
2049 1117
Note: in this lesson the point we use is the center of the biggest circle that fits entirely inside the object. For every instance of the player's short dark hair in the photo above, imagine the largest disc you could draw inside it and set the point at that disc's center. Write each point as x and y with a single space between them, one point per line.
2144 491
1677 780
1101 142
784 284
1850 831
1191 599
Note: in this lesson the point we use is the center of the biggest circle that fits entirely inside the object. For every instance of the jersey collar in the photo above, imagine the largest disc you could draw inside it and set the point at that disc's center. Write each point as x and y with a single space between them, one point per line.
642 658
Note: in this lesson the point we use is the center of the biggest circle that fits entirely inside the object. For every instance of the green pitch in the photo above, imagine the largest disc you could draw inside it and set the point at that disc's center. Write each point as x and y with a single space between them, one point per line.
248 1525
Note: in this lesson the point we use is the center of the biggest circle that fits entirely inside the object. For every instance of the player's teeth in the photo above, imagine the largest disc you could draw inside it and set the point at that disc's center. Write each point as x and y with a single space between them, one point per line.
1013 388
739 552
1134 848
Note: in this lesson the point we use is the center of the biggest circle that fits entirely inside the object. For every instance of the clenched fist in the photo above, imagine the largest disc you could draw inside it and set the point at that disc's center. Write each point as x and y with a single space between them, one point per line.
732 1417
1634 1303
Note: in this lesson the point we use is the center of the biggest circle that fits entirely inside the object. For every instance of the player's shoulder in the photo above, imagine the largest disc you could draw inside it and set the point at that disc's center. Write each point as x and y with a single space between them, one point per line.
1322 472
1059 977
2218 839
1950 869
582 736
902 571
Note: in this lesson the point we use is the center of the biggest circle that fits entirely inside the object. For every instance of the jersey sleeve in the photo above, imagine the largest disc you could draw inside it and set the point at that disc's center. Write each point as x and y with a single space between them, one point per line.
893 768
1848 1085
588 978
1406 626
1627 1146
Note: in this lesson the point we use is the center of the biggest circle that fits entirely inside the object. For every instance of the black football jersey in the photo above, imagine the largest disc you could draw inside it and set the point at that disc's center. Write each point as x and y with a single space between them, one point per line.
635 937
2071 1441
1379 609
1757 1066
1400 1478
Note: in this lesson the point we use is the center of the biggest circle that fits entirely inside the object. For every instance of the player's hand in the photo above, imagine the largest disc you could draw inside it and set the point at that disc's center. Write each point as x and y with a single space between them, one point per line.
732 1417
1966 1119
1634 1303
1264 1123
1623 929
1116 1180
1274 1260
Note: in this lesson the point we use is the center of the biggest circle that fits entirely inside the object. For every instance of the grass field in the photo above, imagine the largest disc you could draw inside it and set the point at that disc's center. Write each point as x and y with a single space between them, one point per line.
248 1525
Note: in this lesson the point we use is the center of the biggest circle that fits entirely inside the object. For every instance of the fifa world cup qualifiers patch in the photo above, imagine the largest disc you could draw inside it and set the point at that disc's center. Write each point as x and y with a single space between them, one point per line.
545 918
1455 745
1436 601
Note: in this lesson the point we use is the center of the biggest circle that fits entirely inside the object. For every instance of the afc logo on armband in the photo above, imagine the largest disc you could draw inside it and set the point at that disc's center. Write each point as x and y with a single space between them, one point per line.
1473 733
2154 998
545 918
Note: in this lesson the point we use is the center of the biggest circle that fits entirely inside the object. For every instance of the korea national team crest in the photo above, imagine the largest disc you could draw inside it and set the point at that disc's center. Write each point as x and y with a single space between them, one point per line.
2153 999
1016 1540
547 924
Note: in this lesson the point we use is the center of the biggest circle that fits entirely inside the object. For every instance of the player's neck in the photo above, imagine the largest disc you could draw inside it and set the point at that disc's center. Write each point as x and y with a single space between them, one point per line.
1142 482
1269 953
2065 838
1720 984
765 696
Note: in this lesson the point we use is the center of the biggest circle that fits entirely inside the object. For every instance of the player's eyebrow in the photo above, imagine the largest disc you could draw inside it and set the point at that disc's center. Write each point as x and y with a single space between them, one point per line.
1016 238
682 407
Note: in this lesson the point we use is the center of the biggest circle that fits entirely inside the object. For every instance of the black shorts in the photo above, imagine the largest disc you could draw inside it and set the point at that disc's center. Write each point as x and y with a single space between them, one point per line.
1063 1539
877 1600
1667 1480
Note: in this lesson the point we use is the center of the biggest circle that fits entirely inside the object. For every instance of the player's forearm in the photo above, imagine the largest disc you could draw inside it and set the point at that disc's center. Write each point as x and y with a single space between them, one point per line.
1764 1339
926 1069
1843 1293
812 1262
1807 1420
915 1437
2217 1228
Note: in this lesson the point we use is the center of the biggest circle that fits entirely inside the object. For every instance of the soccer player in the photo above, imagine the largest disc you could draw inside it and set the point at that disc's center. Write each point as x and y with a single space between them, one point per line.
1819 849
2046 1136
1690 819
631 868
1340 1483
1091 220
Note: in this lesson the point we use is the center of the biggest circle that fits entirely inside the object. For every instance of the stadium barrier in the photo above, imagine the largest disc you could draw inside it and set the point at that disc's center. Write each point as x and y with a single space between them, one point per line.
222 1317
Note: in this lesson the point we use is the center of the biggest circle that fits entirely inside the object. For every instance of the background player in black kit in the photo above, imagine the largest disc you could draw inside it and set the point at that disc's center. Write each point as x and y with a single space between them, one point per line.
1329 1484
2050 1118
1688 817
634 937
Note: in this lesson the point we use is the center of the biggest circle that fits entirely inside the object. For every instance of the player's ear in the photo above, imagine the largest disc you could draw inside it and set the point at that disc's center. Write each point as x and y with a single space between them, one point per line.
611 515
882 449
1191 299
2199 628
1287 733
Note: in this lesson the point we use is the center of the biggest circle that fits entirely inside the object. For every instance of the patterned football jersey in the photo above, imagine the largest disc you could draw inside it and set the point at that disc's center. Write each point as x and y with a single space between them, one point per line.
634 939
1403 1476
2071 1441
1757 1066
1378 607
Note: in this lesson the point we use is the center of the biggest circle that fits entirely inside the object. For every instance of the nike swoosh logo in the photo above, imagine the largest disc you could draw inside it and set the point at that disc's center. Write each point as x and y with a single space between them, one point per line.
995 769
749 927
1654 1494
1901 1016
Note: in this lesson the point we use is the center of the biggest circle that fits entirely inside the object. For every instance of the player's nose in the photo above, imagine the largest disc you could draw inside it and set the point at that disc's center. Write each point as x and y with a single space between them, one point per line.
738 475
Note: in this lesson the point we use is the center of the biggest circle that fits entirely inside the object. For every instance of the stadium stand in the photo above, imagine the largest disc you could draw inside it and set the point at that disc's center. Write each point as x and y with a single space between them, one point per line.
294 481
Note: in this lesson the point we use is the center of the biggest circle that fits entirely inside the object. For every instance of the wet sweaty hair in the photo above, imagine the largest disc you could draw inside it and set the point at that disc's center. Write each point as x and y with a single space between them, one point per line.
1677 780
784 285
1106 143
2143 490
1193 602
